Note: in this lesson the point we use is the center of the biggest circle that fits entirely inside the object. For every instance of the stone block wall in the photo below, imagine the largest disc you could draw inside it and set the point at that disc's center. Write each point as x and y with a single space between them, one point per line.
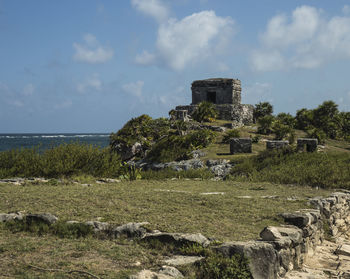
284 248
217 91
240 145
276 144
311 144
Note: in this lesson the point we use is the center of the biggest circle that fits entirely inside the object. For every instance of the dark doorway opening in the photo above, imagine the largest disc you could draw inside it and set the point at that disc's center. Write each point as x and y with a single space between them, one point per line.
211 97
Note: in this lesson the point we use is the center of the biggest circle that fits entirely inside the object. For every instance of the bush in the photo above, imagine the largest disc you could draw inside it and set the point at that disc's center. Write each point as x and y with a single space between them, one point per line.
319 134
205 112
289 167
63 160
175 148
281 130
286 119
217 266
261 110
229 135
265 124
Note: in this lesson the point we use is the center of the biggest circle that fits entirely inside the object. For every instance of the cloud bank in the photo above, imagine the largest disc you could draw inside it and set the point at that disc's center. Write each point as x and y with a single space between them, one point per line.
91 51
305 39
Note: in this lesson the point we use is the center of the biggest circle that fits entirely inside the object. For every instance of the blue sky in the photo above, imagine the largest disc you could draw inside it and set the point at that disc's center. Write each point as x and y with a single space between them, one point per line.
91 65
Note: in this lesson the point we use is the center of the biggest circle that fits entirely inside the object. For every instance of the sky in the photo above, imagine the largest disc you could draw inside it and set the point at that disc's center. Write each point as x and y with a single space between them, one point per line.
91 65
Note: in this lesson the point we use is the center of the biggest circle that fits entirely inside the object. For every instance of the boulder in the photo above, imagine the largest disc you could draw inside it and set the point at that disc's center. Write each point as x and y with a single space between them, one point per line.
263 258
148 274
292 233
179 239
171 271
46 218
130 230
299 219
183 260
10 217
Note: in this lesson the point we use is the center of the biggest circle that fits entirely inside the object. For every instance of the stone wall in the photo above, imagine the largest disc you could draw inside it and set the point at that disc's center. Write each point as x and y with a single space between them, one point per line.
217 91
284 248
238 114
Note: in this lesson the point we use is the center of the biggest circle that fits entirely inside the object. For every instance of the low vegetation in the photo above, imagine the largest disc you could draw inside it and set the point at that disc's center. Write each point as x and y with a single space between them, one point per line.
63 160
289 167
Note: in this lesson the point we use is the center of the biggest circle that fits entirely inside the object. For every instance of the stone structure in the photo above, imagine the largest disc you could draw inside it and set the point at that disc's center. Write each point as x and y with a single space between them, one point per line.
225 94
311 144
285 248
276 144
179 114
240 145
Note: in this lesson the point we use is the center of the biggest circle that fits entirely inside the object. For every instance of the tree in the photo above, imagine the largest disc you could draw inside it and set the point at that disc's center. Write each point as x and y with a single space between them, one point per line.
205 112
286 119
261 110
283 131
304 118
265 124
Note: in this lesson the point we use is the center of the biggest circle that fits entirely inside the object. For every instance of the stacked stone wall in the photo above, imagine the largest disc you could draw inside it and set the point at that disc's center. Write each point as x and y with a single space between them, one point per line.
285 248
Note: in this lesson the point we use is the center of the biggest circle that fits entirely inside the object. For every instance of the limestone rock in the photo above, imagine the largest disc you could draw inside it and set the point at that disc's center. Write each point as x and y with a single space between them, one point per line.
131 230
343 250
98 226
299 219
148 274
182 260
46 218
179 239
171 271
263 258
10 216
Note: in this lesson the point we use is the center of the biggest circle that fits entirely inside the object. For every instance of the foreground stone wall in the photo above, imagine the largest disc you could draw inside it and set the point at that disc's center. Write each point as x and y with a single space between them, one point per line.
285 248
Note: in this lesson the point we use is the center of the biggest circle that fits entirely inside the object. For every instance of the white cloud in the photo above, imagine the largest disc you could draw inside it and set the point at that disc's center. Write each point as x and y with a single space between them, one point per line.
91 83
189 40
91 51
153 8
346 9
306 39
134 88
63 105
257 92
28 89
145 58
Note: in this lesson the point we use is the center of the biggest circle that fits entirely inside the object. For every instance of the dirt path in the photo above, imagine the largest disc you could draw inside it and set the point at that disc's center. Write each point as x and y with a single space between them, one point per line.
330 260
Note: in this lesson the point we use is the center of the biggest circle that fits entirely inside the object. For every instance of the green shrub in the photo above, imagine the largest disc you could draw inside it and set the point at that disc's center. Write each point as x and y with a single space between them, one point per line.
63 160
256 139
319 134
288 167
175 148
261 110
230 134
265 124
281 130
205 112
217 266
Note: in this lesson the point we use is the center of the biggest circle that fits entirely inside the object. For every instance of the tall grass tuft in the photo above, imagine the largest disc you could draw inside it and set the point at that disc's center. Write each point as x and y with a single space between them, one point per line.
288 167
60 161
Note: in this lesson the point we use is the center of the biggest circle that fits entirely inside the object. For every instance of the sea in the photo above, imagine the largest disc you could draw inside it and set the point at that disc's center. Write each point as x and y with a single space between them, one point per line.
46 141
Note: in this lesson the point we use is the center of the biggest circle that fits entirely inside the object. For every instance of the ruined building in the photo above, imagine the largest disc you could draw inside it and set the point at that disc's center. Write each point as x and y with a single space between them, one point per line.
225 93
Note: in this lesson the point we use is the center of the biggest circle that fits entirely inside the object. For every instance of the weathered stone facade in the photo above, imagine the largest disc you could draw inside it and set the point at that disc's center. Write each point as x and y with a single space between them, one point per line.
276 144
311 144
240 145
225 94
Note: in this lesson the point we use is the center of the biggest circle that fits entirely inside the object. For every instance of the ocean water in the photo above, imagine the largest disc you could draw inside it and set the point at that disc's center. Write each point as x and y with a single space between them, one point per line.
45 141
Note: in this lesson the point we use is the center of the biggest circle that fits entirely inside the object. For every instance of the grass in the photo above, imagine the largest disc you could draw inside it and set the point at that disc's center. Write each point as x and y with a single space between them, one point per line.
172 206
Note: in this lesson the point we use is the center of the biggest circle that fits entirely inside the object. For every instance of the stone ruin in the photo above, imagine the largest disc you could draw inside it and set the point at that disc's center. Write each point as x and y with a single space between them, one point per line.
311 144
276 144
240 145
225 94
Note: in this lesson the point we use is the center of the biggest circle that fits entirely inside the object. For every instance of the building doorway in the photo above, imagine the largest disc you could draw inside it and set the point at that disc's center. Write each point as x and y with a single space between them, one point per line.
211 97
